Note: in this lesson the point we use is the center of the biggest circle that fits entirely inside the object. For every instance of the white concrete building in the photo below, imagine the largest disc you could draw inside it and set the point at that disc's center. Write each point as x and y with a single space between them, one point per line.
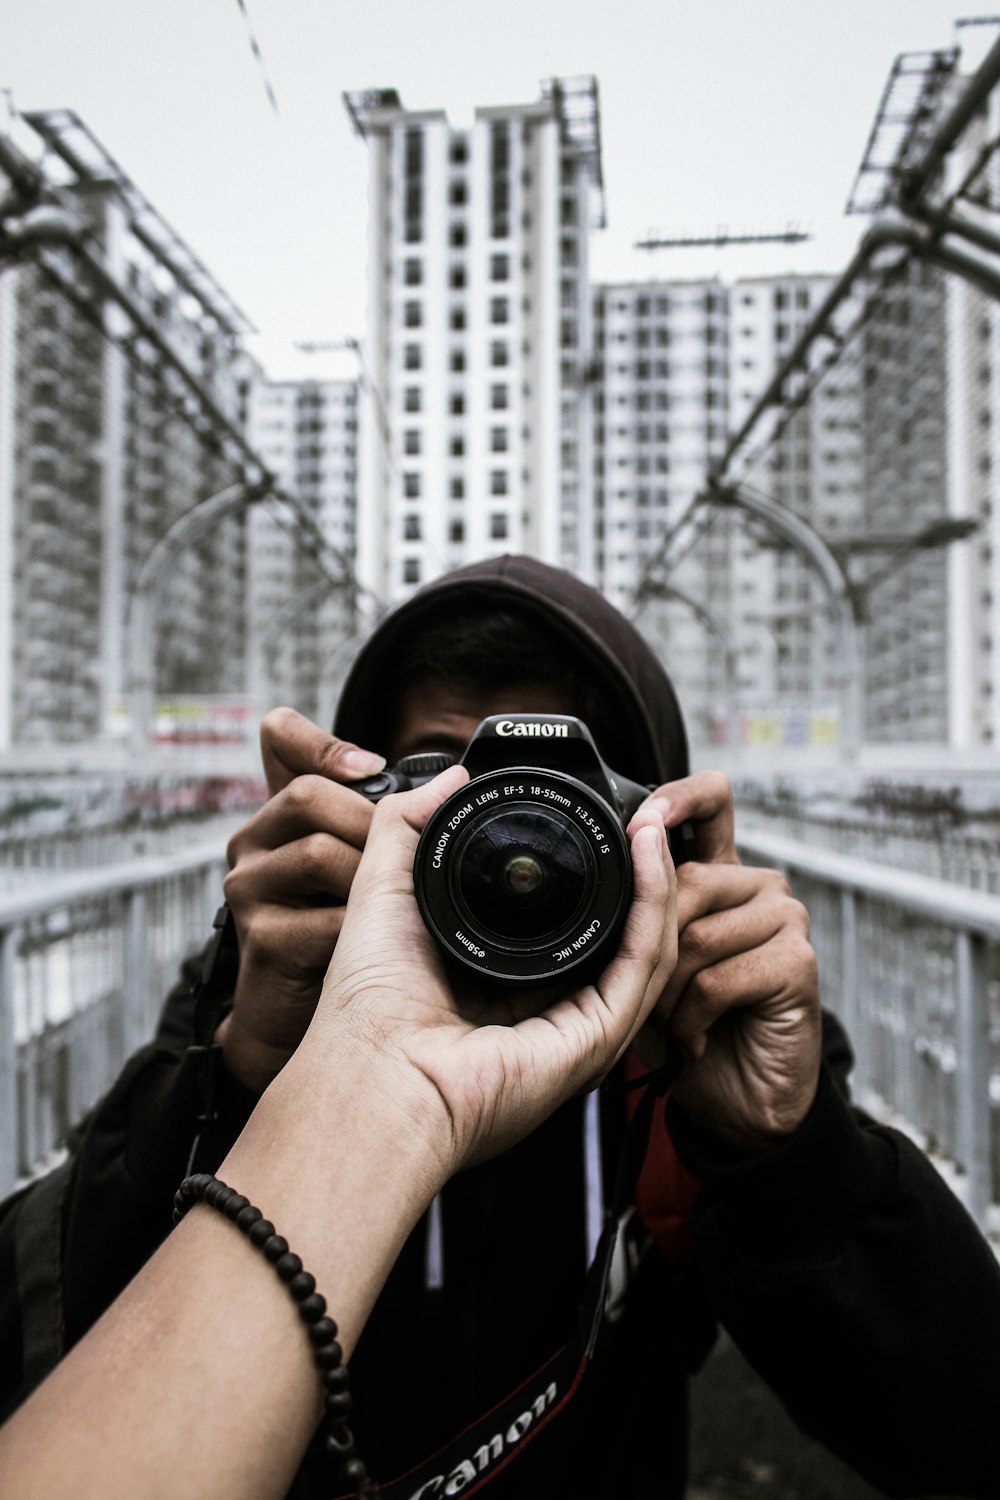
97 461
660 417
305 432
476 417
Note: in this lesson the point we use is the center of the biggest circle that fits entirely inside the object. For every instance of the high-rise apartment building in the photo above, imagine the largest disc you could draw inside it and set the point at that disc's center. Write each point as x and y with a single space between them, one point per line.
660 401
931 357
305 432
476 423
97 461
806 456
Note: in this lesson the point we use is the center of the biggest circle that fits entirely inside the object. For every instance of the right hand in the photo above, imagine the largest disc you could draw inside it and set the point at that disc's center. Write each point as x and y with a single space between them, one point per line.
290 872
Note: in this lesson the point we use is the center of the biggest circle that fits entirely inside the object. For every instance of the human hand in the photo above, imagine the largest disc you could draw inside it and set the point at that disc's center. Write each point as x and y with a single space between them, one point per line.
743 1000
467 1074
291 868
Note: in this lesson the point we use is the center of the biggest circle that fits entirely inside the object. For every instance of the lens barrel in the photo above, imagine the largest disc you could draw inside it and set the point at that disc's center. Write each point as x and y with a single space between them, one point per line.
525 877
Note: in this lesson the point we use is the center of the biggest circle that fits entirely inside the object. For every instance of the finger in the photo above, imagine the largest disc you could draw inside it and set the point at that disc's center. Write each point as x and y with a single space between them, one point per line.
705 800
289 945
297 872
387 862
721 935
292 745
704 888
770 975
309 804
632 982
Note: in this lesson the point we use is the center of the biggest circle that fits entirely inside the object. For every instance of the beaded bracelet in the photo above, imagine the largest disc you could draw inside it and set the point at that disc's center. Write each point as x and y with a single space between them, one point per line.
202 1187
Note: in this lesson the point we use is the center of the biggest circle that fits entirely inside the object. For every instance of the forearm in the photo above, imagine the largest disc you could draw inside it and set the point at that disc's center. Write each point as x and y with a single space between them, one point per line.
221 1390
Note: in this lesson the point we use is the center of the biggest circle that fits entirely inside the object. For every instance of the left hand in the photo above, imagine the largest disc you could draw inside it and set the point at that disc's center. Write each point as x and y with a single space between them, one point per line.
743 1001
473 1078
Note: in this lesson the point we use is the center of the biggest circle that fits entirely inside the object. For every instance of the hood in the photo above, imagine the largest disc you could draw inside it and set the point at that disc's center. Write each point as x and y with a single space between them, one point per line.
638 689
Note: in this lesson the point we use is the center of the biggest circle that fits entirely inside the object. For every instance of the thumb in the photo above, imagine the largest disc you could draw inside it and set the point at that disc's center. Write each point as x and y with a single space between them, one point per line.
292 745
387 862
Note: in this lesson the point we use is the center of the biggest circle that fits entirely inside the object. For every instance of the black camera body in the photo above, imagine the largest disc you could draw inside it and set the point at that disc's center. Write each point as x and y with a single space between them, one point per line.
524 877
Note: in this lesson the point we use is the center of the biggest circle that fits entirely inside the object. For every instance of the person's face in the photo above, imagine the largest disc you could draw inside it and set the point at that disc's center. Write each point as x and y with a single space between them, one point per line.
436 716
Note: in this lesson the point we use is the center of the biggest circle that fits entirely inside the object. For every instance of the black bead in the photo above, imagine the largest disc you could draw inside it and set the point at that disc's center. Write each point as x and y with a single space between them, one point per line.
288 1265
338 1405
323 1331
341 1442
260 1233
235 1205
197 1183
217 1194
247 1218
336 1379
311 1309
275 1248
302 1286
328 1355
354 1471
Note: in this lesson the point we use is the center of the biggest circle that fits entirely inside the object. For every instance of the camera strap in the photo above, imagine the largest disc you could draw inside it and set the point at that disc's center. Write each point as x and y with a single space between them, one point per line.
213 993
507 1448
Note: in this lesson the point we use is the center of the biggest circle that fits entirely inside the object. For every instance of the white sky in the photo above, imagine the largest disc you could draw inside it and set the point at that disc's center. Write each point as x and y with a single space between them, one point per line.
751 114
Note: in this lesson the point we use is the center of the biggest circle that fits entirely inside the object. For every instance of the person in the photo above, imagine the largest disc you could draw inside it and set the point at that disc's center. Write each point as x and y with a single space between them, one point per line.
825 1243
346 1148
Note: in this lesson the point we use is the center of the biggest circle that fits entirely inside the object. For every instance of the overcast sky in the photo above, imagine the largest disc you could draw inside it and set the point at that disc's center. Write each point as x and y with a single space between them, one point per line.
751 114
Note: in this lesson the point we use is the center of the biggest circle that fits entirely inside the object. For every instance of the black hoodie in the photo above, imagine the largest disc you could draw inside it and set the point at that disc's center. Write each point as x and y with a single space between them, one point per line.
839 1261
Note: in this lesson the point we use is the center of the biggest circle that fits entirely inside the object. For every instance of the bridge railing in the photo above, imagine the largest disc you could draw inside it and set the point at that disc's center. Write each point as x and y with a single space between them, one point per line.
911 965
85 961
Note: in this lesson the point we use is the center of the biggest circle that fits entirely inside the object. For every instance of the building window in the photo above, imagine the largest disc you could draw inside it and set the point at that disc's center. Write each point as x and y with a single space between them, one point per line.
498 481
412 356
411 398
456 319
411 570
456 278
457 236
456 531
456 446
411 528
498 397
411 440
457 360
498 439
412 314
456 487
411 485
499 267
498 526
413 272
458 192
500 179
498 353
413 192
499 309
456 403
458 152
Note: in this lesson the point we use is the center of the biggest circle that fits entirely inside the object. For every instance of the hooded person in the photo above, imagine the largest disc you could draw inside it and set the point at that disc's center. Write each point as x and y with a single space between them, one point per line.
535 1335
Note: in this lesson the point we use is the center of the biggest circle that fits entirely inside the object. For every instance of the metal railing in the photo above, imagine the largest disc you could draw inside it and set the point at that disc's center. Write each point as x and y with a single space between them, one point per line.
911 965
85 961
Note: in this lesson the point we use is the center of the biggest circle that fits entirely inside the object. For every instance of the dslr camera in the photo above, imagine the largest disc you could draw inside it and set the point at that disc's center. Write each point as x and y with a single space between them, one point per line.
524 877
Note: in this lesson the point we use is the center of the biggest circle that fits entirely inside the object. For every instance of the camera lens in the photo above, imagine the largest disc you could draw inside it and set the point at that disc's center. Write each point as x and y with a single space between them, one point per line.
522 874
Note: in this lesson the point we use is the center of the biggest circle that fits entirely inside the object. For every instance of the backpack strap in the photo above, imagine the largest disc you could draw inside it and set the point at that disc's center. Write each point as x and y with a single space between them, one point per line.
38 1269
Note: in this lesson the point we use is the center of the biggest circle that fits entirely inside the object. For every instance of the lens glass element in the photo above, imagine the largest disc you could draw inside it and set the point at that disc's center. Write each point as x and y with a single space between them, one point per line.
523 874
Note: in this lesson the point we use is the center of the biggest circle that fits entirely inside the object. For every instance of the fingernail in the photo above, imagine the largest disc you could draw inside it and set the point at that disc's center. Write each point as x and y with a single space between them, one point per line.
362 762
